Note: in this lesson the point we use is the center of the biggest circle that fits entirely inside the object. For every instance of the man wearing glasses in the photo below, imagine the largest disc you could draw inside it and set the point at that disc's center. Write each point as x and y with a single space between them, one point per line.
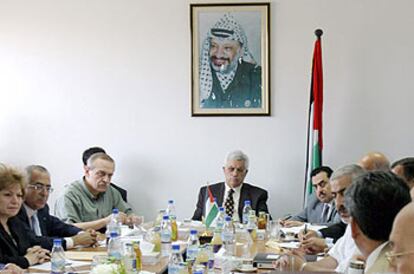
35 213
401 256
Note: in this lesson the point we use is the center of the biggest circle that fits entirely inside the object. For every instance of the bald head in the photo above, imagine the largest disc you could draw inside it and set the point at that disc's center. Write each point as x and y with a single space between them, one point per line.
375 161
402 240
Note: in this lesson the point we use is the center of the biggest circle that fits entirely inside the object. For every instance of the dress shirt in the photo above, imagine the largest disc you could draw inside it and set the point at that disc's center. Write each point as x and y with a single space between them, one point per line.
374 256
236 199
344 250
33 213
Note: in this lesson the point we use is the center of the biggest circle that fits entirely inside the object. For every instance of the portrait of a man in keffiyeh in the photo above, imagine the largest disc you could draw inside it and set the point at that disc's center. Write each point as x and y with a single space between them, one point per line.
229 75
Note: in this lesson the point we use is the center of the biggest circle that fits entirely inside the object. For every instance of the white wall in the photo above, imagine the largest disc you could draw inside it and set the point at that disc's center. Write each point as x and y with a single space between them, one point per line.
78 73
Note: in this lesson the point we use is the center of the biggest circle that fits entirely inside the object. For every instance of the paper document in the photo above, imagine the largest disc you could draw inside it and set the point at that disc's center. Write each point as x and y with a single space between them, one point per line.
69 264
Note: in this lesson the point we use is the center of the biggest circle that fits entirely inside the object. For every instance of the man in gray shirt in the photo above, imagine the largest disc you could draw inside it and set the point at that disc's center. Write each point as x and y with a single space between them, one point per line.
88 203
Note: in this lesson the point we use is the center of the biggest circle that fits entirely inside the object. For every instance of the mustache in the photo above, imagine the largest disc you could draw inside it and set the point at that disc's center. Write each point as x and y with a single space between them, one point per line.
342 209
214 58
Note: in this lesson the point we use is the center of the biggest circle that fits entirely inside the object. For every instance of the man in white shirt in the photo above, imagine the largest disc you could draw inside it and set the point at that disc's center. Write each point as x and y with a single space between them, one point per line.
232 193
373 201
344 249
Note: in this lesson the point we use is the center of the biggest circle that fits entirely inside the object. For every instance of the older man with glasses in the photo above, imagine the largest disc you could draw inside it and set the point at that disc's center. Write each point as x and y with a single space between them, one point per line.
401 256
35 213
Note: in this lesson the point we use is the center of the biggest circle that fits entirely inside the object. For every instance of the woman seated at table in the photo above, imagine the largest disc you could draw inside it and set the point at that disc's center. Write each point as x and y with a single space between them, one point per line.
16 245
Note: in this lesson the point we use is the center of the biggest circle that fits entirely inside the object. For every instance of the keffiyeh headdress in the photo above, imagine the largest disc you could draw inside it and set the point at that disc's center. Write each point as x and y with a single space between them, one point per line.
226 28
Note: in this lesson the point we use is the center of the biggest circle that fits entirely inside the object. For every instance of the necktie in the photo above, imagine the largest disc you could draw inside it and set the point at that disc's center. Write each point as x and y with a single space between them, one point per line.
325 211
35 225
229 204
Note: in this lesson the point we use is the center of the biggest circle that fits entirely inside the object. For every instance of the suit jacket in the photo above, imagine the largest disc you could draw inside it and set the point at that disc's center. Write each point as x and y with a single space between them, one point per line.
381 264
312 213
50 226
11 252
256 195
334 231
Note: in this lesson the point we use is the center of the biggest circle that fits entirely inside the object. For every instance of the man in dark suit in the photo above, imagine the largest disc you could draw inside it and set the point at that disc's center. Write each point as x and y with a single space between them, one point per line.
35 213
232 193
321 207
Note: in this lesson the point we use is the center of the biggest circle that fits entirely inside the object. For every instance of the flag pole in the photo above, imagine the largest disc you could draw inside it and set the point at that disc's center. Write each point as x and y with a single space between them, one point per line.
318 33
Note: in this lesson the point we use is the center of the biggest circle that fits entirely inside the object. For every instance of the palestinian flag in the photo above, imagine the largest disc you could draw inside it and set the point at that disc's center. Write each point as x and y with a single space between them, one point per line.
211 207
314 138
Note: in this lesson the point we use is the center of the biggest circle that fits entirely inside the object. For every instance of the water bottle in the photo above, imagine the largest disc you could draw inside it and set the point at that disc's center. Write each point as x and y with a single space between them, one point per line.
58 259
220 218
165 236
114 224
175 260
115 247
171 209
246 211
129 259
227 235
193 245
251 225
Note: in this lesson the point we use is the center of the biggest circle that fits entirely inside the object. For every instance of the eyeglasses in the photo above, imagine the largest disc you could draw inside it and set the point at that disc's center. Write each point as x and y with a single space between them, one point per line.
391 255
41 187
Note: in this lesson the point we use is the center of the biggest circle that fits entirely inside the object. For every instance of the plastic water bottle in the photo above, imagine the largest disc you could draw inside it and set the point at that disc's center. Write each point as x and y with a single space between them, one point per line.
220 218
175 260
246 211
115 247
193 246
114 224
165 236
171 209
129 259
227 235
58 260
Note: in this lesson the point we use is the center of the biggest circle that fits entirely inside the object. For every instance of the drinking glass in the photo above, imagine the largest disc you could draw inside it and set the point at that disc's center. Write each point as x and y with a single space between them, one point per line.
274 230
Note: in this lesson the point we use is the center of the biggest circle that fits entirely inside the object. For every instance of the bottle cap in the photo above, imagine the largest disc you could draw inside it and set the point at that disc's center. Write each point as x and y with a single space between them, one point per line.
57 241
228 218
175 247
114 234
247 202
221 208
115 211
165 217
193 232
170 201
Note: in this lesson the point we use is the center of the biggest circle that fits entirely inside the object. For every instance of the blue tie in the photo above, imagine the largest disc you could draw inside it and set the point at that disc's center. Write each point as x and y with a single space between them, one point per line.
35 225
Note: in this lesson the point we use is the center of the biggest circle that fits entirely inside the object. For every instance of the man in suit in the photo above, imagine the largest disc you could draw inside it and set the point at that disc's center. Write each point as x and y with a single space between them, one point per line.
321 207
373 201
232 193
35 213
401 256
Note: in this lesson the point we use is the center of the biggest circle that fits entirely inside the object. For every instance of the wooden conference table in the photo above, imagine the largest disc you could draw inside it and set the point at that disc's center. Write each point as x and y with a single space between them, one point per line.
86 254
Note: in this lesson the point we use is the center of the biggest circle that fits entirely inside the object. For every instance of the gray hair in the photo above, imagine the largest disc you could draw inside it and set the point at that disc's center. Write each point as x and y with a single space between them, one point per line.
99 155
237 155
30 169
352 170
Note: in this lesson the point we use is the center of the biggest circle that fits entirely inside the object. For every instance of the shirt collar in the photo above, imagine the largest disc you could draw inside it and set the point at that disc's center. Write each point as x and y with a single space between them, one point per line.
236 189
29 211
374 255
87 192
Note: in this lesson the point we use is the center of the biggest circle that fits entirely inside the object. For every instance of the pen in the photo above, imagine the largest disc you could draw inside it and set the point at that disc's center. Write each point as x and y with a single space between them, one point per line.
305 231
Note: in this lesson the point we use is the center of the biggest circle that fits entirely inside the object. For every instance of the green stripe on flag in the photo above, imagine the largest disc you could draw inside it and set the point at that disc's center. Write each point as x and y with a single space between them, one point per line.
212 214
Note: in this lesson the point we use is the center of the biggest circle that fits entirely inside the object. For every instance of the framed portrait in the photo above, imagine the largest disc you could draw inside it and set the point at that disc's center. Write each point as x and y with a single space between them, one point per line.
230 46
